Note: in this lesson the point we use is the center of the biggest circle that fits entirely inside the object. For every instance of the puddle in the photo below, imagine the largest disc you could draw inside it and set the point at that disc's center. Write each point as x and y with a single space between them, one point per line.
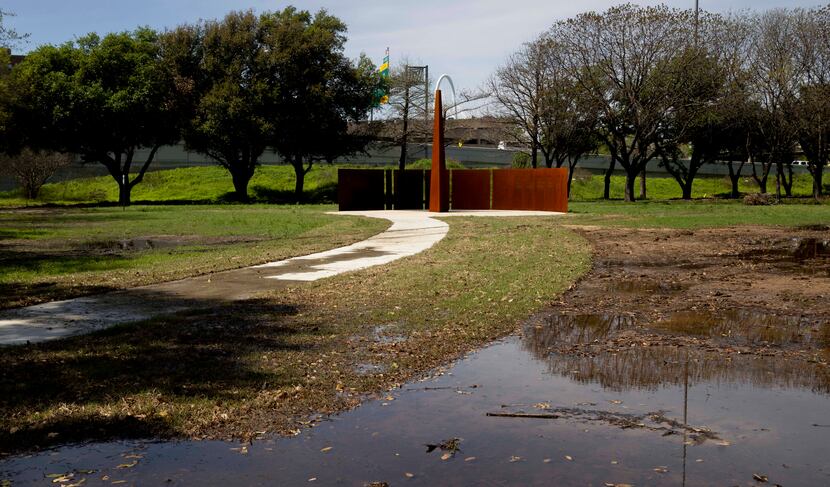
748 327
646 416
640 286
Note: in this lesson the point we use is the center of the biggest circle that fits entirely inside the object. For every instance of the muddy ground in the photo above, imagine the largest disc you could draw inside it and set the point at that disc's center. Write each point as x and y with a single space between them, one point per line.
734 291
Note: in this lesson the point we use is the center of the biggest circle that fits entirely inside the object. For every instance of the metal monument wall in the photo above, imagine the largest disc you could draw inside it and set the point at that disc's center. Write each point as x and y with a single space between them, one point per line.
439 190
468 189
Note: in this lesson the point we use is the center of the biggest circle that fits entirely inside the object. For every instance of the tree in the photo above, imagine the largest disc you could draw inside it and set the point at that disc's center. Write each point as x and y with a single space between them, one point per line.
518 89
32 169
775 75
410 113
323 93
276 80
568 122
9 37
225 71
812 107
711 106
103 98
619 58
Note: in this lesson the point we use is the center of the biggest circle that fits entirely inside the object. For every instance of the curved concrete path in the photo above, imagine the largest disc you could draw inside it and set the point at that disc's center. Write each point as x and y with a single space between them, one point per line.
411 232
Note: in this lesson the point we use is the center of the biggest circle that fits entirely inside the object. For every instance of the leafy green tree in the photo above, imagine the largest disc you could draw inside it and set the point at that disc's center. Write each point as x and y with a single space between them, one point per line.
103 98
277 80
328 93
226 76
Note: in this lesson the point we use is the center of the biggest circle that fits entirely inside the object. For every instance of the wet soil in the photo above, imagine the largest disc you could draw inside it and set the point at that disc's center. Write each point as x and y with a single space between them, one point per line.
681 359
733 291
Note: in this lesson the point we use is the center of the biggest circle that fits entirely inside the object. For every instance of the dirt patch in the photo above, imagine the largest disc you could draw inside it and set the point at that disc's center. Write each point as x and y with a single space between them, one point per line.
733 291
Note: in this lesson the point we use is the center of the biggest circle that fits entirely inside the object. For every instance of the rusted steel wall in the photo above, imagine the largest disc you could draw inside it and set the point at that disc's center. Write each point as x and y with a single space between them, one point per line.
530 189
470 189
360 189
511 189
409 189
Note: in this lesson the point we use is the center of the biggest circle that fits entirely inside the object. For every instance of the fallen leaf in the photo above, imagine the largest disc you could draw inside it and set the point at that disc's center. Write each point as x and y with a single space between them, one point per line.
661 469
547 460
569 458
128 465
469 459
446 456
515 459
614 462
760 478
326 449
542 405
409 475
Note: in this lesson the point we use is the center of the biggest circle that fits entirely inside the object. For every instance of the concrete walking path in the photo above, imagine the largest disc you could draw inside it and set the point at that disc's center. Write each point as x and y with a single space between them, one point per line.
411 232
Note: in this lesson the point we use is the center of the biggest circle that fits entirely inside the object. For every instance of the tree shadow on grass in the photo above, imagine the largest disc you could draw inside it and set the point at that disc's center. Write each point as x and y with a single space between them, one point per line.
189 358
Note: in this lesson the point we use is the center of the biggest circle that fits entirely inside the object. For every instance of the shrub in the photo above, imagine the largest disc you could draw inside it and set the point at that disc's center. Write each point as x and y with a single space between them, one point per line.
427 164
521 160
759 199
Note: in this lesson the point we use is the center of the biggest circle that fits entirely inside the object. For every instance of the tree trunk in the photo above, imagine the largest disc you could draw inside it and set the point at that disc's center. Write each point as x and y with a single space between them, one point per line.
298 185
787 179
818 175
734 178
630 182
643 184
571 168
240 185
606 194
124 192
762 181
687 189
778 170
534 155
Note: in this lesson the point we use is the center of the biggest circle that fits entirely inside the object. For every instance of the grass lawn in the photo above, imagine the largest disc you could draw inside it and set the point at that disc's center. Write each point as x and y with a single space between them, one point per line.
587 187
695 214
271 363
210 184
275 184
267 364
54 253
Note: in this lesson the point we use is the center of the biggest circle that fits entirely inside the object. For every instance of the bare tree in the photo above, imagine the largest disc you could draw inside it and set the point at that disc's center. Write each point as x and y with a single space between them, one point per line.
619 58
775 76
409 100
568 120
32 169
518 90
812 108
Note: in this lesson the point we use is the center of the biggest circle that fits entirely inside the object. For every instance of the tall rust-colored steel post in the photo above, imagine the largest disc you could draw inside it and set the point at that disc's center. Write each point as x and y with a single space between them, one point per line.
439 192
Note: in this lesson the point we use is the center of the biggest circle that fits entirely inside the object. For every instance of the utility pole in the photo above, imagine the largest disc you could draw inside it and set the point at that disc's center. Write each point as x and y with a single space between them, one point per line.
425 70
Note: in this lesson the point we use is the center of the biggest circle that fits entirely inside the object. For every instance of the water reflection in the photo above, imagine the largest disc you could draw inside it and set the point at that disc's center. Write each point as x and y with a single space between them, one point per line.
651 367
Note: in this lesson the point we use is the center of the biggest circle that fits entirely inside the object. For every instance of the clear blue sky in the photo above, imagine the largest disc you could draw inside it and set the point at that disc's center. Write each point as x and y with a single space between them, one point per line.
466 38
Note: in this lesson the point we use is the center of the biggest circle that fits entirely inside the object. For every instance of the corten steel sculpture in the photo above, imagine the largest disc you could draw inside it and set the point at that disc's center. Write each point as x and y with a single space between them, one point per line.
439 193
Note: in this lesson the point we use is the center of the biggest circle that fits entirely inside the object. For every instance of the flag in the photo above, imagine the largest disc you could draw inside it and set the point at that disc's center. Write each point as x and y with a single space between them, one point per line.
382 94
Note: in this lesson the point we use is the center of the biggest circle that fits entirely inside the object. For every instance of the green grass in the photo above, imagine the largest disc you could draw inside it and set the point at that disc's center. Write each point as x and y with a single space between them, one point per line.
267 364
210 184
590 187
694 214
275 184
57 253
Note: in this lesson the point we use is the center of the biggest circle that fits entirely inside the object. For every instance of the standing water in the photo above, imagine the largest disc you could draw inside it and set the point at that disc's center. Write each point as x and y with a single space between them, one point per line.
517 414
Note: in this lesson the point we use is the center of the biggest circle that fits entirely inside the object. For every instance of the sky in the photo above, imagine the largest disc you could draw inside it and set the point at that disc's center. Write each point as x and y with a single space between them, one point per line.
467 39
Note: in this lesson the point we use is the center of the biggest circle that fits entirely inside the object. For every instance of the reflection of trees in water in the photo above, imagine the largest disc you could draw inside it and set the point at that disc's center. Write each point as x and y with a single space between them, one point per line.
652 367
555 330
